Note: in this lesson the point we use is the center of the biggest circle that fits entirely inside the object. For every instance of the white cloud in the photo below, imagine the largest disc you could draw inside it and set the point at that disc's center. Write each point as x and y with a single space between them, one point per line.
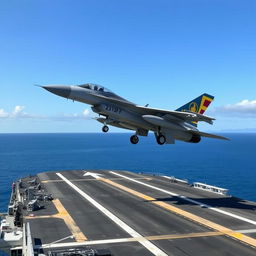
19 113
86 113
244 108
74 116
3 114
18 110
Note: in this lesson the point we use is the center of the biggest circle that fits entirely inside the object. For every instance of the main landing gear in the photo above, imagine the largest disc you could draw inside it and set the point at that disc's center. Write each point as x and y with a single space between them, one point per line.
134 139
105 128
160 139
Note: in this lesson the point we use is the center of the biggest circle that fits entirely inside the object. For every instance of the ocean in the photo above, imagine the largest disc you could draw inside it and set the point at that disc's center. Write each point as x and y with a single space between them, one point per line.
228 164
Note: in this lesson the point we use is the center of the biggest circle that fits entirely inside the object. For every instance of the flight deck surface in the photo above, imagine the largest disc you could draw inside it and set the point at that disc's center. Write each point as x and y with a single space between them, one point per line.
139 214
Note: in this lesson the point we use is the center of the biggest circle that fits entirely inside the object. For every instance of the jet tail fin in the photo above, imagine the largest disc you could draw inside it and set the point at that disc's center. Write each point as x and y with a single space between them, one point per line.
197 105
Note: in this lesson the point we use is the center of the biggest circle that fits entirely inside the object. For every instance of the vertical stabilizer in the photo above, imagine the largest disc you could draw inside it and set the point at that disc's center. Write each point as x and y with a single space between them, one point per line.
197 105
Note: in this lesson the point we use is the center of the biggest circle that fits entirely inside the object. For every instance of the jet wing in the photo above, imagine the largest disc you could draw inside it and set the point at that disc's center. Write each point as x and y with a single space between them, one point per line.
187 116
209 135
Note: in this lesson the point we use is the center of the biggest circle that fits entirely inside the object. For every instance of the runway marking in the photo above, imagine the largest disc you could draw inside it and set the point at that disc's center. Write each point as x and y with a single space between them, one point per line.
132 239
75 230
93 174
192 217
247 231
146 243
63 214
188 199
90 179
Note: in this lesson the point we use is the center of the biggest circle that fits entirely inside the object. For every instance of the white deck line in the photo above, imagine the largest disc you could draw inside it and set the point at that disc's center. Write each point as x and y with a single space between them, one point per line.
92 242
111 241
188 199
107 241
146 243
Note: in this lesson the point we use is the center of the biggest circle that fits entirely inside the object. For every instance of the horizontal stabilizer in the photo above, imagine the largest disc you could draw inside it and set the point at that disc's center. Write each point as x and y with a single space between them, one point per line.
209 135
198 106
195 117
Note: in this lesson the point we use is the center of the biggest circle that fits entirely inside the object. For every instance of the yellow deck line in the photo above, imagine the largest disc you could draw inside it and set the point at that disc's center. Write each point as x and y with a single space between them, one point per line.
229 232
180 236
63 214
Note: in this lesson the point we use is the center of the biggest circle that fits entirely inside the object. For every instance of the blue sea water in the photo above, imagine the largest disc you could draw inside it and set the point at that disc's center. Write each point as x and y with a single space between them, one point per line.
228 164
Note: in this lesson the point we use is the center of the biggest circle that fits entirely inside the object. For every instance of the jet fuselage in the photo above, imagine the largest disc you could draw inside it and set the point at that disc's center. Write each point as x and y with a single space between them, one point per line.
167 125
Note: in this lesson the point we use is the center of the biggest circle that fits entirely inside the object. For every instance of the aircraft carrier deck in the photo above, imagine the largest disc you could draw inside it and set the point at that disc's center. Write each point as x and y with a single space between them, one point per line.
125 213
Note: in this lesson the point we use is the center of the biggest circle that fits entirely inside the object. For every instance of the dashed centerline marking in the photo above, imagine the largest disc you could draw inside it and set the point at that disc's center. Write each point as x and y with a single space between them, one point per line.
146 243
192 217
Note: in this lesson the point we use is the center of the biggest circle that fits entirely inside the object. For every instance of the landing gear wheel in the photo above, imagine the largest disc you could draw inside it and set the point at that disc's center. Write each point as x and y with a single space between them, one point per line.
161 139
105 128
134 139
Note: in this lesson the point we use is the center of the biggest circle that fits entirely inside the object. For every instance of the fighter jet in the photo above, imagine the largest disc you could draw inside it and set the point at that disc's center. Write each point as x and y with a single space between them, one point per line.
167 125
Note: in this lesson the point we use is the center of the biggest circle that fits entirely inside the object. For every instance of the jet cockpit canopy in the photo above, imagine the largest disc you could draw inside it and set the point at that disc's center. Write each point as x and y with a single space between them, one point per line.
95 87
102 91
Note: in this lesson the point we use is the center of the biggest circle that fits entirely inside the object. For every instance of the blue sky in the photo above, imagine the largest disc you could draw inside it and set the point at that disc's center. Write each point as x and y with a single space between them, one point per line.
163 52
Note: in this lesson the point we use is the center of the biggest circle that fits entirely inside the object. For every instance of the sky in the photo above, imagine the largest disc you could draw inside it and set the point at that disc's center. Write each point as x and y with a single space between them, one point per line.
162 53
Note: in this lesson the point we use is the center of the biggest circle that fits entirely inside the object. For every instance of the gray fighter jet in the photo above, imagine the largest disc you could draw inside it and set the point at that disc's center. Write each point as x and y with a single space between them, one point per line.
114 110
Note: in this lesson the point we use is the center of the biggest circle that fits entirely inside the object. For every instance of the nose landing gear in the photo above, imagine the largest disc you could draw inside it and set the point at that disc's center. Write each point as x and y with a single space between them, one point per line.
105 128
134 139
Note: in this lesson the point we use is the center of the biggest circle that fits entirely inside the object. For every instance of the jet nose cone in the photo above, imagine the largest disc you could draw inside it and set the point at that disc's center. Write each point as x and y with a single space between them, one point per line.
60 90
